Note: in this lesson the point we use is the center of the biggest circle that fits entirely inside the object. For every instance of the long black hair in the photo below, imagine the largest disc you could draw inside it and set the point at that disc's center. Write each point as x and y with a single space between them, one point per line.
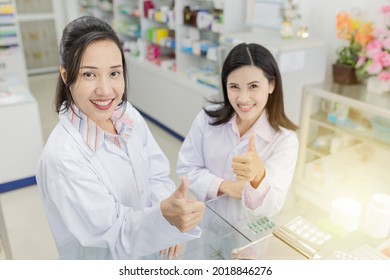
76 37
259 56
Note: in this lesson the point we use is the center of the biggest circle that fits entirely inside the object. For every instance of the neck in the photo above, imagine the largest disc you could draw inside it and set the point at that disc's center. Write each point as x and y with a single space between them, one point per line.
108 126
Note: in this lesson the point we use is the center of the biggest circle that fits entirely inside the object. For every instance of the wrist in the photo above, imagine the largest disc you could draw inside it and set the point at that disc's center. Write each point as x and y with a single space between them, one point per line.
258 179
221 189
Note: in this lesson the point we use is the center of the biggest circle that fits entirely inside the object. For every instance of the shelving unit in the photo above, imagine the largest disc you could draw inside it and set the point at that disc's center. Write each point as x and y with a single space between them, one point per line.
40 21
102 9
12 63
181 57
342 153
127 24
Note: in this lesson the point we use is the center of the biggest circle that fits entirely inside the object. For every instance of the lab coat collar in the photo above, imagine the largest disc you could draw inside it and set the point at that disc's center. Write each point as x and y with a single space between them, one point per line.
261 127
93 135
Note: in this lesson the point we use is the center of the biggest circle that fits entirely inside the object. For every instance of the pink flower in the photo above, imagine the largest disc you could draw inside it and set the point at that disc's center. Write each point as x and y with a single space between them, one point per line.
385 10
386 43
384 58
375 68
374 48
374 57
384 76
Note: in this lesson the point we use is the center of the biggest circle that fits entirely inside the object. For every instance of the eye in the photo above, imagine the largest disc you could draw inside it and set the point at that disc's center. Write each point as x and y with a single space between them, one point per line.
253 86
116 73
89 74
233 86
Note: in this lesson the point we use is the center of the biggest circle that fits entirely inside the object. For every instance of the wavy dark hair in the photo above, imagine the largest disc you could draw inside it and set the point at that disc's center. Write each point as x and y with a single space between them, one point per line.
76 37
259 56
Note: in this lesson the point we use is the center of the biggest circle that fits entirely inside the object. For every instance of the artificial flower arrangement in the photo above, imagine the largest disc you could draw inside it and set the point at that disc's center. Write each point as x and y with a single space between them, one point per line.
356 34
374 57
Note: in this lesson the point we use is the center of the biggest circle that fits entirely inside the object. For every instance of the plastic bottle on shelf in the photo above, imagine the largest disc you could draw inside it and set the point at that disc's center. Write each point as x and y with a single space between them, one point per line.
377 220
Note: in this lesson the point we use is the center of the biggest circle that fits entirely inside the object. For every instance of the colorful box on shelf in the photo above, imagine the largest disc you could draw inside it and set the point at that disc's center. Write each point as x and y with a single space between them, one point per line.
6 10
159 34
148 5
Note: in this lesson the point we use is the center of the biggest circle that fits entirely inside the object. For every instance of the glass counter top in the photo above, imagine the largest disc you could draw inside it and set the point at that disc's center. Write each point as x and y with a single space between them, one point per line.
227 228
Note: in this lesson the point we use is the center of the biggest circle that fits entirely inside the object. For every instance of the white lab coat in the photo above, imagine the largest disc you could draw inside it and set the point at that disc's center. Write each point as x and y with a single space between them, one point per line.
106 204
206 158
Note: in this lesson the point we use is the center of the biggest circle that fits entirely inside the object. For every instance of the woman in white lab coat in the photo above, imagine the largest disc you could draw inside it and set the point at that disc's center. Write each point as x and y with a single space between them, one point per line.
102 176
245 146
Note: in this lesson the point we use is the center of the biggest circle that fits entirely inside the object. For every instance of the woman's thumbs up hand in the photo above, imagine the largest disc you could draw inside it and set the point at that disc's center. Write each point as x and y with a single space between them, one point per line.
179 211
249 167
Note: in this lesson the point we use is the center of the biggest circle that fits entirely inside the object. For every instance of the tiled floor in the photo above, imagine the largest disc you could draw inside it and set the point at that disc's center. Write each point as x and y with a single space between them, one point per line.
28 231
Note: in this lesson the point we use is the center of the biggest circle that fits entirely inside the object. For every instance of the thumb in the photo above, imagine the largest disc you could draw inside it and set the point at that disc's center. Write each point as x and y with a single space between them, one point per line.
181 191
251 144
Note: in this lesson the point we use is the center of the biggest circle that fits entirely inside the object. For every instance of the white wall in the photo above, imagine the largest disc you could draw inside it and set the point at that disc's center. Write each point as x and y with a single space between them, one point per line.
320 17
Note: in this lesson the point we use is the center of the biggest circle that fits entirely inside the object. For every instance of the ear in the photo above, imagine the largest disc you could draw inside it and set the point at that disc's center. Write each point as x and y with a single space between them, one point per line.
271 87
63 74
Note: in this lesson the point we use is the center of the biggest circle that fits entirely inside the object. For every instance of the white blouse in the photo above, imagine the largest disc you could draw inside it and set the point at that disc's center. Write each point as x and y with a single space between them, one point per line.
206 158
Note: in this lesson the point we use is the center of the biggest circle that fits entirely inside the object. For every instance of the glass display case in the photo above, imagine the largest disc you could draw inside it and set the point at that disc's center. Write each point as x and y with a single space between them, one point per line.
344 144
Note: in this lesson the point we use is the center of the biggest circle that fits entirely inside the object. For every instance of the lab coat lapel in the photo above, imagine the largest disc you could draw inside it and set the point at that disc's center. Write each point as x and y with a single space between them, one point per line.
140 168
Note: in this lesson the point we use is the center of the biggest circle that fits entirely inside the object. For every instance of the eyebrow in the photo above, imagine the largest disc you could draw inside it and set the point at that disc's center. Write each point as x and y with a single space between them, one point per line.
253 82
94 67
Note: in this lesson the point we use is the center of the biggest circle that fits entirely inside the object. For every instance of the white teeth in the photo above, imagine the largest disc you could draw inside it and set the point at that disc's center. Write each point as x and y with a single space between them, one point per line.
245 106
102 103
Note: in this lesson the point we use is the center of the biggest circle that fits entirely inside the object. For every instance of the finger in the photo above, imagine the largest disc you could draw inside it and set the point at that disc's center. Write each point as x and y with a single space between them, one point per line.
244 173
181 191
162 253
241 159
242 178
251 144
171 253
192 222
193 206
178 249
240 166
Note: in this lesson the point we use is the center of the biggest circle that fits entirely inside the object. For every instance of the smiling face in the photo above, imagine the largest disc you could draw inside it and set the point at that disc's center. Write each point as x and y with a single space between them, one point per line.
248 90
100 83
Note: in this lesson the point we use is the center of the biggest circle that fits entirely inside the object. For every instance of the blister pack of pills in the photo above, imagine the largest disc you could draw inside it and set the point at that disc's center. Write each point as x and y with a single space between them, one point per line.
260 225
308 232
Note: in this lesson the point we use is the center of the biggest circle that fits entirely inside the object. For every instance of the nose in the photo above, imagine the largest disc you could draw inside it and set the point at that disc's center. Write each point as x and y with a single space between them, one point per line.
104 86
243 96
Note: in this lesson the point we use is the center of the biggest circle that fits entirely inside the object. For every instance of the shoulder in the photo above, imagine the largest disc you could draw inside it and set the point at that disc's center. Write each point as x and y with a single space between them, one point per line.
139 123
289 137
210 108
203 119
62 150
133 113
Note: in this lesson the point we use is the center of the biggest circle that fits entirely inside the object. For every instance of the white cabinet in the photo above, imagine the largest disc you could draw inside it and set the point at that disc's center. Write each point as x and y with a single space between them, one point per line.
344 145
41 24
20 143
